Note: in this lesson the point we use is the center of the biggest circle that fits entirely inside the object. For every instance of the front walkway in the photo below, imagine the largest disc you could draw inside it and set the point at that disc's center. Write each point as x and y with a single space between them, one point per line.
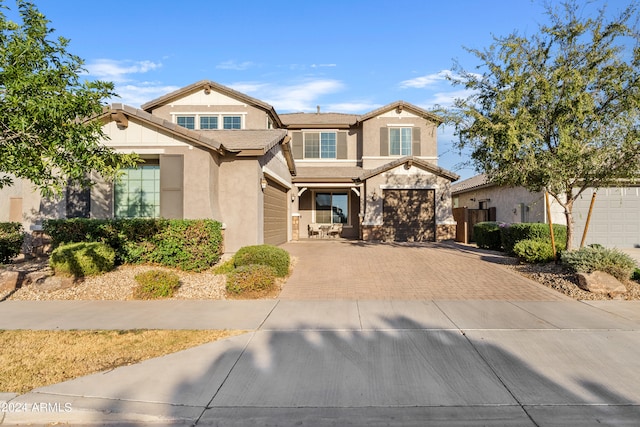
426 271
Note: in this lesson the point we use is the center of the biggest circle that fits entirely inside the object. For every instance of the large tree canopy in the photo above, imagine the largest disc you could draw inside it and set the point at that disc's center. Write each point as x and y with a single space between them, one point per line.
45 136
559 110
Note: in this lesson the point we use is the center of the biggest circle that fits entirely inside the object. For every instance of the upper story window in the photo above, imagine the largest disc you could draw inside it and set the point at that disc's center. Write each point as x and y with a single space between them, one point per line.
188 122
232 122
400 141
208 122
320 145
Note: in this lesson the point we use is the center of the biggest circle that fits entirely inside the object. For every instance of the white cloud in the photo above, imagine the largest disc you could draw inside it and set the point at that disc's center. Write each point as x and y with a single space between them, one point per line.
446 99
426 81
303 96
322 65
352 107
118 71
233 65
138 94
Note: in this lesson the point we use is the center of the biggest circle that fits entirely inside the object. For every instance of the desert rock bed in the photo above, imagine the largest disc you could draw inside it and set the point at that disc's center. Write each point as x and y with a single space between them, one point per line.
115 285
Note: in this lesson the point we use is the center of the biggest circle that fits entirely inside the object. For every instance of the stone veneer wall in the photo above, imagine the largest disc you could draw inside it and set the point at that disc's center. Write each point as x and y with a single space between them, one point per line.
445 232
375 232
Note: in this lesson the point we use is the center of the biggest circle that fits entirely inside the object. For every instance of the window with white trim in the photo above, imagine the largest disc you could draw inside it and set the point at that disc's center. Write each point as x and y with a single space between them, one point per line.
208 122
320 145
332 207
400 141
232 122
188 122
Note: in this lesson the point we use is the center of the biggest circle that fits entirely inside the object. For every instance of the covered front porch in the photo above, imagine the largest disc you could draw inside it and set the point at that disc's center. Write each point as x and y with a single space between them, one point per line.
327 211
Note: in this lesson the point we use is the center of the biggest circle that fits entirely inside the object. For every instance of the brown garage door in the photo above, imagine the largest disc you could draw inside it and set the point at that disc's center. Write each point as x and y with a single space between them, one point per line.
275 213
409 215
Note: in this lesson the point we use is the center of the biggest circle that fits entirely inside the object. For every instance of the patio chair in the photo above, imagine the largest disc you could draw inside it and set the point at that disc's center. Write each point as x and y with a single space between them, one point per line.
313 230
335 230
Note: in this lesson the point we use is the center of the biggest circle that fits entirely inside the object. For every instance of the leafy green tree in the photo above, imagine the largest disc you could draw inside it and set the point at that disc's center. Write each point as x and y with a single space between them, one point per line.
556 111
45 132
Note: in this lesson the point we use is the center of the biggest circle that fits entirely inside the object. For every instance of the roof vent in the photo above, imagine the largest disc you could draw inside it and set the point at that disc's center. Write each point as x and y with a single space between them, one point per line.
318 109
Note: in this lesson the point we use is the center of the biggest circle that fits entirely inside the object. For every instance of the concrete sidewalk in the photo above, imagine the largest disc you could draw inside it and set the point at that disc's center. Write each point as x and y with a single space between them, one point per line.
375 362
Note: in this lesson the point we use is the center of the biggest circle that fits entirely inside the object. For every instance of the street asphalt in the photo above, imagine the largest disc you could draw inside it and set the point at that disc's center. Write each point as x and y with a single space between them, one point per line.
351 362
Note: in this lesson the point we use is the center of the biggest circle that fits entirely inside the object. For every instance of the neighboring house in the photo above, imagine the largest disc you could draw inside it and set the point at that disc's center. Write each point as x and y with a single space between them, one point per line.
213 152
615 220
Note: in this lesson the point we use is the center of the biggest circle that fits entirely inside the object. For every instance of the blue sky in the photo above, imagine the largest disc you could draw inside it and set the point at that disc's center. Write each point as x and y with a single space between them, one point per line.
347 56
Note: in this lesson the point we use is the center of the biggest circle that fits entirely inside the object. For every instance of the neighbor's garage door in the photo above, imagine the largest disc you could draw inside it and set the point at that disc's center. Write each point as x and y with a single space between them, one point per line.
409 215
615 221
275 213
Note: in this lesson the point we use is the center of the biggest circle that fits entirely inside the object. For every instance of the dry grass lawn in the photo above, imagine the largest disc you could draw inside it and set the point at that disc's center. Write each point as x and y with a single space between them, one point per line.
31 359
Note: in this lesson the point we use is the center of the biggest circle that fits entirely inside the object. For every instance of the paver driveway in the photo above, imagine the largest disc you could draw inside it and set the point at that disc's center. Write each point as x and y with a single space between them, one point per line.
428 271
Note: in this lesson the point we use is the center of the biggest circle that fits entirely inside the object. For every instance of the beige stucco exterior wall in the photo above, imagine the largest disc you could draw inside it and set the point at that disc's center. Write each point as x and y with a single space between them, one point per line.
508 203
371 137
241 202
35 208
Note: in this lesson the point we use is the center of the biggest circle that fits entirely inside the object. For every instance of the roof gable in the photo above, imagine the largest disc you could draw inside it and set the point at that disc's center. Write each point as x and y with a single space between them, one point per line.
409 161
399 107
208 86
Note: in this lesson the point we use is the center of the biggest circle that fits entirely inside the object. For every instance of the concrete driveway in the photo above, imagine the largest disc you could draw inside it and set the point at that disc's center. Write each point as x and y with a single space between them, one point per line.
427 271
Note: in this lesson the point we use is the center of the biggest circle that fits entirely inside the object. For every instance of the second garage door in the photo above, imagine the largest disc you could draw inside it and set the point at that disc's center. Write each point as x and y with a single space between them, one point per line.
409 215
275 213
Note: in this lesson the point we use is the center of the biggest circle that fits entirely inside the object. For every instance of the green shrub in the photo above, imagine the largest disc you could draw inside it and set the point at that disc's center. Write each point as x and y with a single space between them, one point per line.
636 275
11 239
269 255
187 244
534 251
156 284
82 259
252 279
513 233
589 259
487 235
225 268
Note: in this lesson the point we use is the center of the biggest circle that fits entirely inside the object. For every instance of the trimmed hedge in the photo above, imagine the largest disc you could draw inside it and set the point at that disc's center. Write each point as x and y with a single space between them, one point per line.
11 239
154 284
251 279
534 251
589 259
487 235
192 245
513 233
269 255
82 259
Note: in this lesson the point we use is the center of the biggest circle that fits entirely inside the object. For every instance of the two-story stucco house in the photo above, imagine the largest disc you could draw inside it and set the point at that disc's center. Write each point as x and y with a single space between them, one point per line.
213 152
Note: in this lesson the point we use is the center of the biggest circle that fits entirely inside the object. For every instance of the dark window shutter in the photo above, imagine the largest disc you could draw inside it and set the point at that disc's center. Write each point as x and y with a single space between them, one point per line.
78 201
384 141
341 150
415 140
296 144
171 186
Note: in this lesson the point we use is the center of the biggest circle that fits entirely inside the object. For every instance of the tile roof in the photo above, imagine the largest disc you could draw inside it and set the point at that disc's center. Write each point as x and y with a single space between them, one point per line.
470 183
328 174
254 139
307 119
